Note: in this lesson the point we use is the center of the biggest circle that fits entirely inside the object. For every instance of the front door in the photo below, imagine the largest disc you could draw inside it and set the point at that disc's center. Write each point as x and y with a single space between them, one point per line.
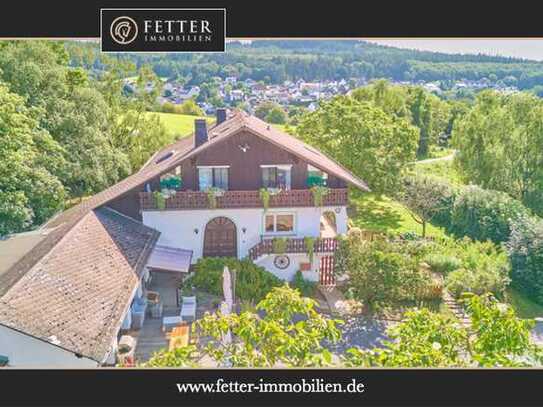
220 238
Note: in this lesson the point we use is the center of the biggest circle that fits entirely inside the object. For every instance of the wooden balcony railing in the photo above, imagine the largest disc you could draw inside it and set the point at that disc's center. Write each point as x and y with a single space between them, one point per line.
294 245
243 199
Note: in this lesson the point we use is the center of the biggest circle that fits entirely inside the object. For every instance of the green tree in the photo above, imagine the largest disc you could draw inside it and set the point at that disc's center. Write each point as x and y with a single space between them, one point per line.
424 197
287 330
276 116
29 193
374 145
500 145
496 338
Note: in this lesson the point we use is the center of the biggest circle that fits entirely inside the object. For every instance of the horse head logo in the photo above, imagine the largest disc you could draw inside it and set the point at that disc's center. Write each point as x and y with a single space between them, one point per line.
123 30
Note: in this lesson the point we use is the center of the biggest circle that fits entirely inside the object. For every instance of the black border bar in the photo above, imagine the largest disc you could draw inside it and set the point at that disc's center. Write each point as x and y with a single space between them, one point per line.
291 19
400 387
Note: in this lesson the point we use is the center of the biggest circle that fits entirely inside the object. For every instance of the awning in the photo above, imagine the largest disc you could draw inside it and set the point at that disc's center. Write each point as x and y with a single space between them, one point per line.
170 259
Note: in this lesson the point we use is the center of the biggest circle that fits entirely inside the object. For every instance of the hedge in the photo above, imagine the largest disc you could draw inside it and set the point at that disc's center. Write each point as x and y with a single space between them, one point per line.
483 214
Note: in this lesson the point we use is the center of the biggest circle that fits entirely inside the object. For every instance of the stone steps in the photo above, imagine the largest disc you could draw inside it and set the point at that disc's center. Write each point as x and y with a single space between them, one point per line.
456 308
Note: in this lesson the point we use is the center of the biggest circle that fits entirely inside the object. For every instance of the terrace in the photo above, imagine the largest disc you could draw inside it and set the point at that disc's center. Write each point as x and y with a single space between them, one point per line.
241 199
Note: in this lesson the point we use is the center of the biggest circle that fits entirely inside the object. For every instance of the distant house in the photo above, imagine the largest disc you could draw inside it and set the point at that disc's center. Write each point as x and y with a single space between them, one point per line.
68 289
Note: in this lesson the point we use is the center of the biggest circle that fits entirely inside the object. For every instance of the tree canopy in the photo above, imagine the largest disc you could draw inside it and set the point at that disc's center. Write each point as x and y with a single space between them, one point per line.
374 145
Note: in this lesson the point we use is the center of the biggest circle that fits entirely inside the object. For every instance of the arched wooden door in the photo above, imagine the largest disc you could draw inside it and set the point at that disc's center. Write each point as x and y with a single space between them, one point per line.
220 238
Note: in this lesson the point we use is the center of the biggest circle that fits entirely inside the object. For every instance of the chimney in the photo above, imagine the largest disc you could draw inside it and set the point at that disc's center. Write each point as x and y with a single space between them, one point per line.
221 115
200 132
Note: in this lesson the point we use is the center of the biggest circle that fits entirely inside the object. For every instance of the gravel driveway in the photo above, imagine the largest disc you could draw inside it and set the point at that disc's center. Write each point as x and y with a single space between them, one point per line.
360 331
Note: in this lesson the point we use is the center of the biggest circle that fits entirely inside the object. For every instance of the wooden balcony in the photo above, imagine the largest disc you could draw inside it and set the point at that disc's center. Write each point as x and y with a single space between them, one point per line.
294 245
243 199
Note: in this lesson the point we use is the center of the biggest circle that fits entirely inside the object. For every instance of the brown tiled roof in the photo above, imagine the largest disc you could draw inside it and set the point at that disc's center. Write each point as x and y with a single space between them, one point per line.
76 296
181 150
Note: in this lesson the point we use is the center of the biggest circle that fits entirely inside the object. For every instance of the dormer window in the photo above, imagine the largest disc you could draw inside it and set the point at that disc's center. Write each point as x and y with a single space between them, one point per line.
213 177
276 176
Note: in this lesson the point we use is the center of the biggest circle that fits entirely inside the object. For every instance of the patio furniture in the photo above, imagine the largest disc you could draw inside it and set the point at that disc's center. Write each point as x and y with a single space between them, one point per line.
138 313
179 337
171 322
156 310
188 312
188 308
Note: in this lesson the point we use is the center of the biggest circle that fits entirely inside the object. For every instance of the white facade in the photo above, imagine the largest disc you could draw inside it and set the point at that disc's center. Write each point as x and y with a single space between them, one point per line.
25 351
185 229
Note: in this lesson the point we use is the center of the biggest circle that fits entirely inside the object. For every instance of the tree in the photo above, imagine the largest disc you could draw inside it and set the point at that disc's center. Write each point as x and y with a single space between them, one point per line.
424 197
496 338
263 109
276 116
190 107
372 144
285 329
500 145
29 192
423 109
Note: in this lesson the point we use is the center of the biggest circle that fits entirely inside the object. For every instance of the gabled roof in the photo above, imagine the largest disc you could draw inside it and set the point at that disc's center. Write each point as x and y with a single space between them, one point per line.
65 227
181 150
76 296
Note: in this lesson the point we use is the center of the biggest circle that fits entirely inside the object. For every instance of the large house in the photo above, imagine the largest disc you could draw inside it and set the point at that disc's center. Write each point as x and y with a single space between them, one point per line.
235 189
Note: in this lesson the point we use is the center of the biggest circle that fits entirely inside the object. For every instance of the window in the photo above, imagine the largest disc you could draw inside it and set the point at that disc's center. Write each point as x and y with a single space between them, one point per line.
213 177
279 223
276 176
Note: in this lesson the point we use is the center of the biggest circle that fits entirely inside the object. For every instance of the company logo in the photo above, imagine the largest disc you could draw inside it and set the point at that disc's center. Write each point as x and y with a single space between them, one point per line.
123 30
163 30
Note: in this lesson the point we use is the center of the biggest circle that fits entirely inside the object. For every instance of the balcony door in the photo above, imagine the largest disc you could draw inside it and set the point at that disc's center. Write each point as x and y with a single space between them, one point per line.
220 239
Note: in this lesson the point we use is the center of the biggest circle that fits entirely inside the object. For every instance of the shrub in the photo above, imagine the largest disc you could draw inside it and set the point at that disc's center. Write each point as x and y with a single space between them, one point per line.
306 288
484 267
525 248
252 282
442 263
383 271
476 281
485 214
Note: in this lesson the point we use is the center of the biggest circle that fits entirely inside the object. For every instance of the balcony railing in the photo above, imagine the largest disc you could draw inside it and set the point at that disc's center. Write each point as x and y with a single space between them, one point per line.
242 199
294 245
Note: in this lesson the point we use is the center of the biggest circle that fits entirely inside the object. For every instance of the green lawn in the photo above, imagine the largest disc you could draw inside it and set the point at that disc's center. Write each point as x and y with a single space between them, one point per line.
180 125
443 169
524 307
382 214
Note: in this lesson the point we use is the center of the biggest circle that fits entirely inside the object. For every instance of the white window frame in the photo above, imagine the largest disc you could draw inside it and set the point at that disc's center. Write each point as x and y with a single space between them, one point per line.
275 233
286 167
211 167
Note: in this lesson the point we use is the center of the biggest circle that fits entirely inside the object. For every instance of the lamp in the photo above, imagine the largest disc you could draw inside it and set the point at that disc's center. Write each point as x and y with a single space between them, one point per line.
195 231
244 229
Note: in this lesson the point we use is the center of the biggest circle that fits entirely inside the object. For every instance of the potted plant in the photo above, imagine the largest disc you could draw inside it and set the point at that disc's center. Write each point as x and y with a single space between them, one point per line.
319 192
212 194
279 245
265 198
160 200
310 247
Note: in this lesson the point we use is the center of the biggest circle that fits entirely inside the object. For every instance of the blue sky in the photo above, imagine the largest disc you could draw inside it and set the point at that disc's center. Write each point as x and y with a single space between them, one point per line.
530 48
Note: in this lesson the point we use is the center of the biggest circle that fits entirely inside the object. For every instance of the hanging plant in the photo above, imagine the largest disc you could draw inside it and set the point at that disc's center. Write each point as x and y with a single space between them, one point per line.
310 247
212 194
160 200
279 245
265 198
319 192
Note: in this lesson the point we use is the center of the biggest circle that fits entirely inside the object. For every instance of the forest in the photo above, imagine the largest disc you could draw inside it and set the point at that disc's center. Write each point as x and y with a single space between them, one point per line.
274 61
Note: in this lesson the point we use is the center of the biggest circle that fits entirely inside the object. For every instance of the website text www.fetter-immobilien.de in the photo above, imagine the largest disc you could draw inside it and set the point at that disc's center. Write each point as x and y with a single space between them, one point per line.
263 386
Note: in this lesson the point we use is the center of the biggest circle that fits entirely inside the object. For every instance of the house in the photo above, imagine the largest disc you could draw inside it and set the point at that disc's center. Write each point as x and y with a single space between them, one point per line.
69 289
